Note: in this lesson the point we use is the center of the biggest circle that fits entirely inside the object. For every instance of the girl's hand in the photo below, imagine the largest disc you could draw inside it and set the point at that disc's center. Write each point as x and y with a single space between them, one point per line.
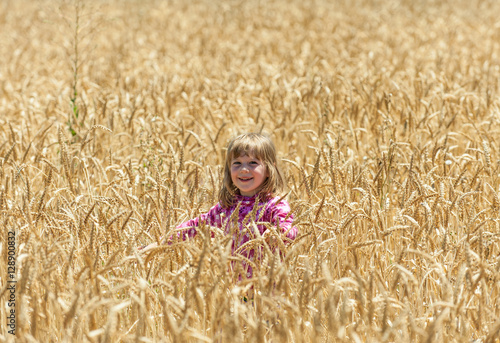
145 248
267 237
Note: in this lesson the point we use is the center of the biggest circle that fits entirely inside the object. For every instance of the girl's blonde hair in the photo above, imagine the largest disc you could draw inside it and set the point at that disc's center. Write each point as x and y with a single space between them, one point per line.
259 146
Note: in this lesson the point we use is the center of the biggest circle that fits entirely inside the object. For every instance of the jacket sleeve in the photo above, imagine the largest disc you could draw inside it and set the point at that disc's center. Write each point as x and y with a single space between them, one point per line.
279 213
212 218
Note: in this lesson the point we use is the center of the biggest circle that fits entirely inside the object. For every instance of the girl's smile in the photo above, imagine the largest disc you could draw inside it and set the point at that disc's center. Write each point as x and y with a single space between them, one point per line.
248 173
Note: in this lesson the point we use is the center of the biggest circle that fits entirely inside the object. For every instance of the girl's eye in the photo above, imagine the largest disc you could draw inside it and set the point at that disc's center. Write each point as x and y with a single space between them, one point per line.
254 162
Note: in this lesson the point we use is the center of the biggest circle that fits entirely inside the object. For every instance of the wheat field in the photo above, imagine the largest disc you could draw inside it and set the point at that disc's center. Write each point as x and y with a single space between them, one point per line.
114 117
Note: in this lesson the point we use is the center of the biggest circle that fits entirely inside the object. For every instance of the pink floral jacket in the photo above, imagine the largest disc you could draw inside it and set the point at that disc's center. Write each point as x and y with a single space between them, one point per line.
267 211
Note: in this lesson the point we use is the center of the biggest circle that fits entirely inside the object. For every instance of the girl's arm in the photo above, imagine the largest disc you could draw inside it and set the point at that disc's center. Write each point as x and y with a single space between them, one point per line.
279 213
212 218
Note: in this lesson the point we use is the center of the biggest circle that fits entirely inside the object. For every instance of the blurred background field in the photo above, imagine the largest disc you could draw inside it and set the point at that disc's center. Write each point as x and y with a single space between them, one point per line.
114 116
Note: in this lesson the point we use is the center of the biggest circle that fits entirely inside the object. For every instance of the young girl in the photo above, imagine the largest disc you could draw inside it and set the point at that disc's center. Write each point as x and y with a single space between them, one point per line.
253 185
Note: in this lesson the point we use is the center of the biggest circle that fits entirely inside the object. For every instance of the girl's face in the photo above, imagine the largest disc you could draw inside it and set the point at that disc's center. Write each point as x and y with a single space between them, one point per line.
248 173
